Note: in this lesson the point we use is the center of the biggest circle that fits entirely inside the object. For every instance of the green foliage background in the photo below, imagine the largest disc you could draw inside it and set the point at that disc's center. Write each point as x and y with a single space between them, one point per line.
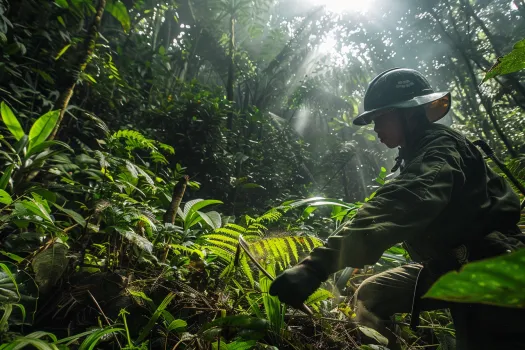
108 107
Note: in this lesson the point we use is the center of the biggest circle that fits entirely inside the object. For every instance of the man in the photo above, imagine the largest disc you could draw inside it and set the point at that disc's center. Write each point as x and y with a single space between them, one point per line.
447 207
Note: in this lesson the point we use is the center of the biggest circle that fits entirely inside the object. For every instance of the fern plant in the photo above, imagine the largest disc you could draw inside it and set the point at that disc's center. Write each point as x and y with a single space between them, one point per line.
283 250
134 140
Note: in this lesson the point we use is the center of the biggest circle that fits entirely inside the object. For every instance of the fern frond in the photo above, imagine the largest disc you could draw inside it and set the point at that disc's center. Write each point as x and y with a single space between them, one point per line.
318 296
166 148
258 226
293 247
226 231
270 216
225 255
215 243
236 227
157 157
183 250
223 238
227 270
282 249
247 270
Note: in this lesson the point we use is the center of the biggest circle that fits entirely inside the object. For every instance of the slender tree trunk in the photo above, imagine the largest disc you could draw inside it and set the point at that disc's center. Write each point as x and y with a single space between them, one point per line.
171 212
176 199
85 57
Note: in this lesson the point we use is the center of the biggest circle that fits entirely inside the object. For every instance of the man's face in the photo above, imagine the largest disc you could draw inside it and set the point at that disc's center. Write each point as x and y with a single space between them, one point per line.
389 129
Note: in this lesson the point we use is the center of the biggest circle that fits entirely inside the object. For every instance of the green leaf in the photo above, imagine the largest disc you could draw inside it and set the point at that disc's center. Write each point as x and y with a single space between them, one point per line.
235 345
237 321
36 208
47 144
92 340
177 325
139 294
49 265
6 176
26 341
61 21
5 198
15 257
510 63
63 50
191 208
212 218
149 326
62 3
8 286
79 219
118 10
372 333
497 281
42 128
10 121
136 239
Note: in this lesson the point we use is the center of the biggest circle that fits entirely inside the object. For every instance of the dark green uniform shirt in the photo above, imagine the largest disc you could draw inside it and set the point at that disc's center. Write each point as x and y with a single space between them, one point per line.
445 196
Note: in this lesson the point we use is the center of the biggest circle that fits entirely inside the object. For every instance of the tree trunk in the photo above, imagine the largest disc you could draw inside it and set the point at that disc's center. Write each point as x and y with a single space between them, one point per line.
171 212
89 48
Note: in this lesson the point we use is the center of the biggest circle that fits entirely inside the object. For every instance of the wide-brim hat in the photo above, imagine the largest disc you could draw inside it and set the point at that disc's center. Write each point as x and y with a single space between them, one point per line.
402 88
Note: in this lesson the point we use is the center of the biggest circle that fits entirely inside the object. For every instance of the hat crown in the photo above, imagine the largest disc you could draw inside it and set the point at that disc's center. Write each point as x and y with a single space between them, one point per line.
395 85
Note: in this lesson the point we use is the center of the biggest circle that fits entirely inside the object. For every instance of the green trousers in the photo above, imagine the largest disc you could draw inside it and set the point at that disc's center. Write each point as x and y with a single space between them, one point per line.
477 326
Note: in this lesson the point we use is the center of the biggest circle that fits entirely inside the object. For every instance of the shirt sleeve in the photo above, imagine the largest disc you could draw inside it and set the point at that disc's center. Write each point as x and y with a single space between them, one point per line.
399 211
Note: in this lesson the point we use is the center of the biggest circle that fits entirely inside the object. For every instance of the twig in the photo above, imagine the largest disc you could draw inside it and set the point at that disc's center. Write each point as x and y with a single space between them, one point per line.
104 315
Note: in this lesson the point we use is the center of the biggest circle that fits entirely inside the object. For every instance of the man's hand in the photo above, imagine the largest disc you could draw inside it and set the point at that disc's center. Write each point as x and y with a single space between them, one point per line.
295 285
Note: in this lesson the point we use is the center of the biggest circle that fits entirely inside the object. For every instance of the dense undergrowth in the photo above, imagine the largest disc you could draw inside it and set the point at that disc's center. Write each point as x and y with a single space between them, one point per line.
102 251
133 155
96 256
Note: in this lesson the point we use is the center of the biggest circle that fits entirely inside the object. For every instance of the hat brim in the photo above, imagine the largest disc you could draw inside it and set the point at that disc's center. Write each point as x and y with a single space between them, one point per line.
368 117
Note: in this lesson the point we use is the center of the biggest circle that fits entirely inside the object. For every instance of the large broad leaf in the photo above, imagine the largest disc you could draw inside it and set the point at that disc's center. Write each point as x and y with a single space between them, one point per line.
35 208
18 288
73 214
212 218
191 208
5 198
136 239
510 63
497 281
49 265
10 121
118 10
47 144
42 128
